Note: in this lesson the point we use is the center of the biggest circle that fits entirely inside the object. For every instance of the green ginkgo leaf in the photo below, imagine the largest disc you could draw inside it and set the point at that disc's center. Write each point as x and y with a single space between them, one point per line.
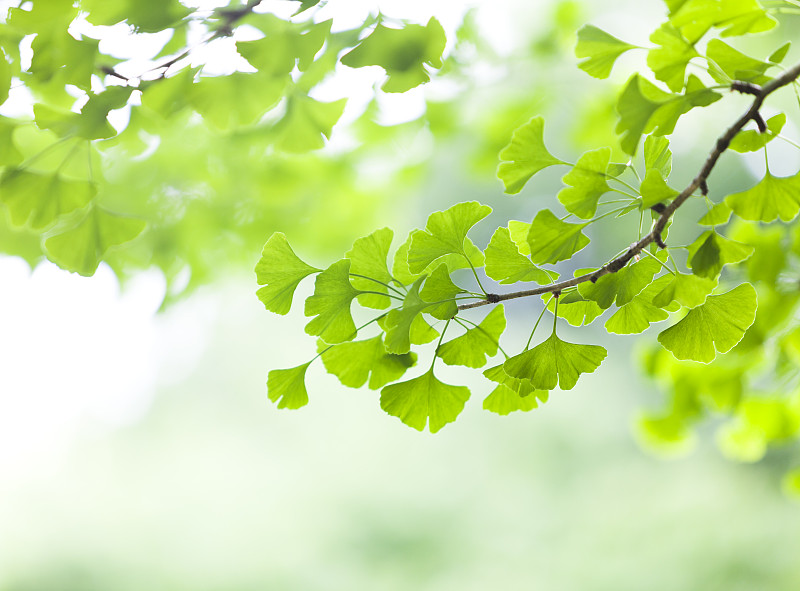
573 307
773 197
726 64
552 240
716 216
398 323
720 323
555 362
474 346
503 401
402 273
505 264
424 400
402 53
657 155
752 140
307 123
518 232
600 49
621 286
287 387
368 260
524 156
38 200
440 291
779 54
330 305
355 362
81 248
236 99
521 387
587 183
655 190
668 61
687 290
444 234
637 315
710 252
280 271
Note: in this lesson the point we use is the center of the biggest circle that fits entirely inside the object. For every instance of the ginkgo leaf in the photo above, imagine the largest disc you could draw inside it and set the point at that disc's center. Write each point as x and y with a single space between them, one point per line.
574 308
657 155
524 156
655 190
280 271
505 264
398 322
474 346
355 362
687 290
368 258
402 273
637 315
330 304
773 197
40 199
440 291
503 401
716 216
779 54
726 64
521 387
552 240
518 232
283 45
402 53
587 183
710 252
736 17
424 400
668 61
444 234
752 140
81 247
287 387
600 49
555 362
720 323
236 99
307 123
621 286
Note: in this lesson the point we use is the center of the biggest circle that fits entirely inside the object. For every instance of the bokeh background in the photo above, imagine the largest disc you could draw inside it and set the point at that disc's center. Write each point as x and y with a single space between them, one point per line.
138 448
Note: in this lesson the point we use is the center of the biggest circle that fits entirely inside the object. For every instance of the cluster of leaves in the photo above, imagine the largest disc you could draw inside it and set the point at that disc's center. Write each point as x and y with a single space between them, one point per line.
75 188
731 292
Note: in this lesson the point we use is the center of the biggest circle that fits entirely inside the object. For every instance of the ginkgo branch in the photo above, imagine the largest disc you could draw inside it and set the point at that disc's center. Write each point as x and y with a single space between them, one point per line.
666 212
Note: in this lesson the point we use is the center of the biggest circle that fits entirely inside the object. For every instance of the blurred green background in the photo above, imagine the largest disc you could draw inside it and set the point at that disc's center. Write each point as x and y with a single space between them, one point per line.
140 450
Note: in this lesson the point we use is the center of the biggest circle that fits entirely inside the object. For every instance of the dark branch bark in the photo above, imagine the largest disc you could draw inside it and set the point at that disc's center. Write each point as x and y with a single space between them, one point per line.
699 182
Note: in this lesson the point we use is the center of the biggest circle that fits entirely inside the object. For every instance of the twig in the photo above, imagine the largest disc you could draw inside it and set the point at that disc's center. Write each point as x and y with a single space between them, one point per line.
699 182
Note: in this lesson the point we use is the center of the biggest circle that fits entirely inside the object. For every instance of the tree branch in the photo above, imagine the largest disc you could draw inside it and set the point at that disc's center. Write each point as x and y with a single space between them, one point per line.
699 182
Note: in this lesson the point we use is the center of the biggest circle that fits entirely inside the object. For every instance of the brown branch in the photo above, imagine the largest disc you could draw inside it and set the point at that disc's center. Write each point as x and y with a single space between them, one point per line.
699 182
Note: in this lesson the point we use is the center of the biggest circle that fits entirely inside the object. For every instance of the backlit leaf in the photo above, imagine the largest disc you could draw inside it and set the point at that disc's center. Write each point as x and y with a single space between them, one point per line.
773 197
637 315
720 323
687 290
330 305
424 400
710 252
503 401
669 60
552 240
655 190
355 362
398 322
716 216
368 258
587 183
474 346
287 387
505 264
657 155
38 200
621 286
751 140
524 156
280 271
600 49
440 291
307 123
729 64
236 99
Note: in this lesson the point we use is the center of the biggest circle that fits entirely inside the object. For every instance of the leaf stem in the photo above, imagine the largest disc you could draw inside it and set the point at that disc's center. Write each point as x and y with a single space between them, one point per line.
538 320
483 330
660 262
439 344
386 285
474 272
355 334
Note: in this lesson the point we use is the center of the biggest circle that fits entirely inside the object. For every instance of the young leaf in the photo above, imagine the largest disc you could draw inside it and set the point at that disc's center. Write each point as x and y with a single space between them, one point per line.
637 103
752 140
773 197
398 323
474 346
40 199
505 264
524 156
657 155
555 362
287 387
687 290
728 64
621 286
587 181
521 387
600 49
779 54
669 60
719 323
402 53
280 271
655 190
503 401
710 252
444 234
574 308
440 288
424 400
330 304
637 315
356 361
81 247
552 240
368 258
716 216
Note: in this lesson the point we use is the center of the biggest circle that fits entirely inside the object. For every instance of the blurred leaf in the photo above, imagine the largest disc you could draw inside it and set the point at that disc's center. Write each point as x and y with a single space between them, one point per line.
600 49
236 99
728 64
307 123
38 200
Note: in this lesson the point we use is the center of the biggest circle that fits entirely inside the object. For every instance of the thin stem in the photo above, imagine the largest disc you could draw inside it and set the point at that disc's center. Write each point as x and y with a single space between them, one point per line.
474 272
439 344
555 315
619 180
380 293
660 262
355 334
621 192
538 320
788 141
483 330
386 285
44 151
